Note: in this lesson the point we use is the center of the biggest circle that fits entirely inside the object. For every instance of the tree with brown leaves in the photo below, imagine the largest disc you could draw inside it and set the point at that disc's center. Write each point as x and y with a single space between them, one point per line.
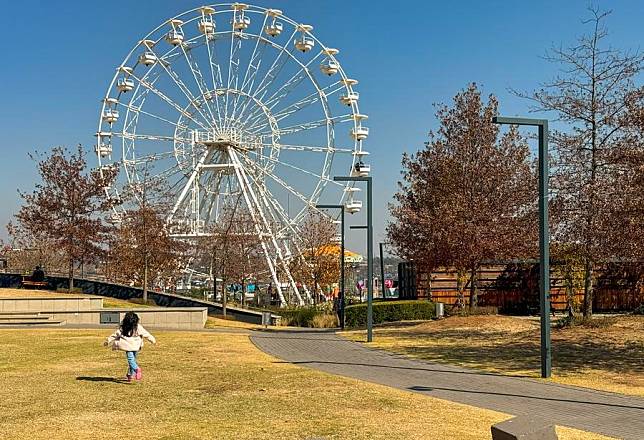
470 195
591 96
232 248
66 208
142 250
318 265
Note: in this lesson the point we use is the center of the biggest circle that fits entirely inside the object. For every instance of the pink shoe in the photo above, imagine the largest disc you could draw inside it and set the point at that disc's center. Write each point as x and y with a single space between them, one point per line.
139 374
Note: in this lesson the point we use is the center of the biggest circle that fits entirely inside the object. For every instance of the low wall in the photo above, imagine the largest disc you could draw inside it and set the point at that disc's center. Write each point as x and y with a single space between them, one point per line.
49 304
192 318
95 287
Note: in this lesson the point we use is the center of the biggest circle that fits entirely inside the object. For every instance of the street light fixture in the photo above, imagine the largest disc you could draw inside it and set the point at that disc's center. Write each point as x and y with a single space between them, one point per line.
544 236
369 225
342 299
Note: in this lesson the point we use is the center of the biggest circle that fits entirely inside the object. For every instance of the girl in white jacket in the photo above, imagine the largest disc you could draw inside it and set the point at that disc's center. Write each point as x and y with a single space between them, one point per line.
129 338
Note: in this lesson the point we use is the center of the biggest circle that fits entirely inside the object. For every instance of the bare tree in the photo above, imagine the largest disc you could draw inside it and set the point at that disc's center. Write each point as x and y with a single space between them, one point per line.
233 248
142 244
66 208
591 95
26 251
468 196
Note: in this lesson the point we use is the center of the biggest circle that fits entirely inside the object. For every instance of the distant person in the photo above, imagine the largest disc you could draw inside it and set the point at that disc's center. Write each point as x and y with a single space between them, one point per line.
129 338
38 274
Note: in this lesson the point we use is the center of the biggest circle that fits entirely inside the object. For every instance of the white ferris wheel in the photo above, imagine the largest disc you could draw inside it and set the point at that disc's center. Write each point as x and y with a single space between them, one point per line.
236 101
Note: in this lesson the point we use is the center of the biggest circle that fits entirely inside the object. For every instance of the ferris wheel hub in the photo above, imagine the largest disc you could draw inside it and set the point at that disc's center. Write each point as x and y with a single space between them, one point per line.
223 139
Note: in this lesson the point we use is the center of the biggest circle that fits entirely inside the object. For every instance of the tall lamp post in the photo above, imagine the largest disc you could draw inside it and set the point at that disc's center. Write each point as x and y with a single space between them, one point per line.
382 271
369 249
544 236
342 299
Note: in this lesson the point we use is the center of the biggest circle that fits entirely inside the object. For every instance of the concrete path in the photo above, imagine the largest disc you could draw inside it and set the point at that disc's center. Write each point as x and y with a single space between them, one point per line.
606 413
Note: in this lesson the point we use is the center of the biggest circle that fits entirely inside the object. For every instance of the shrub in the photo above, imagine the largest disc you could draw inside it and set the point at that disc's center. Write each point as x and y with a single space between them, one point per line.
474 311
324 321
299 317
356 315
639 310
580 321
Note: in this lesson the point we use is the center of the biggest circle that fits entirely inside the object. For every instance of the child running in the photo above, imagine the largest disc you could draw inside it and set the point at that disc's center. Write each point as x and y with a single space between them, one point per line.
129 338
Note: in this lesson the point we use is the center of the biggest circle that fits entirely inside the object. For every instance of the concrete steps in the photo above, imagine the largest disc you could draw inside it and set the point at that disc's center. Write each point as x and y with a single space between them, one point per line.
27 319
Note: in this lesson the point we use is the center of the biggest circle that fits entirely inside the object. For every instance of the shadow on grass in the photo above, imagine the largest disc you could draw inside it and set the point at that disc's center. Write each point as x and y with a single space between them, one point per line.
518 352
101 379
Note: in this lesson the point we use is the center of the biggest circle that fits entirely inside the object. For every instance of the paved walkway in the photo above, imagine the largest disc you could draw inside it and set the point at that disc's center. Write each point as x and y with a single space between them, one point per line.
606 413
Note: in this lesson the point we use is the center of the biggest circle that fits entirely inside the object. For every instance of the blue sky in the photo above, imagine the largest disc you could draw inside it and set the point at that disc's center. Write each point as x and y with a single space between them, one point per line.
59 57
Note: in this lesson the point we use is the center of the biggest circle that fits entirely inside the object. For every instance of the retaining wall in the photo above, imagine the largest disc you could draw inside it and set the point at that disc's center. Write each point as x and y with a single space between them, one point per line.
46 305
96 287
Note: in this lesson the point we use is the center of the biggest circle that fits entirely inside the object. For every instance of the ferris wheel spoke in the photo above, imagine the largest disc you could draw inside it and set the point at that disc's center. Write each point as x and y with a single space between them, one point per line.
233 64
294 167
279 181
318 149
169 101
192 100
165 63
297 106
149 137
152 115
149 158
309 100
214 67
290 85
308 125
253 65
198 77
273 71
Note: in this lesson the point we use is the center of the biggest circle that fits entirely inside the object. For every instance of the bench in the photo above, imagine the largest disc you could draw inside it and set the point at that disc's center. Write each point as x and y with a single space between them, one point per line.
28 282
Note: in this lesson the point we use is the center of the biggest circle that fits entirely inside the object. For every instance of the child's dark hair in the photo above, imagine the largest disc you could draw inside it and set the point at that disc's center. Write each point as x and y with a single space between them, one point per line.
129 324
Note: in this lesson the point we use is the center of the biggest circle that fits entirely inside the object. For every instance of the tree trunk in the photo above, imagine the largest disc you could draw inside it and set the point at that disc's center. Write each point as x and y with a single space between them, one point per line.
243 294
71 276
588 289
224 295
570 295
474 288
145 280
460 296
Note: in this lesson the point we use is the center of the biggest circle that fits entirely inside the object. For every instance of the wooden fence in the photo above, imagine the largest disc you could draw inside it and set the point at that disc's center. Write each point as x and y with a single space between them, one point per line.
514 287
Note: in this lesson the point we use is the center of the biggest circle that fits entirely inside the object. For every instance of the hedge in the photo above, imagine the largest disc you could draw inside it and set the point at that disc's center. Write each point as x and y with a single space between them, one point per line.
389 311
299 317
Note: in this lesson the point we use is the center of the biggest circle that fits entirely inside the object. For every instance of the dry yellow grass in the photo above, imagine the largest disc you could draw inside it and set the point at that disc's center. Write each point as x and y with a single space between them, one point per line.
27 293
609 358
61 384
214 322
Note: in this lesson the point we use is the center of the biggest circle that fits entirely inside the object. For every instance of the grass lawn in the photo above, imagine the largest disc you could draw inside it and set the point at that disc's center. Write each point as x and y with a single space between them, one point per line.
609 358
62 384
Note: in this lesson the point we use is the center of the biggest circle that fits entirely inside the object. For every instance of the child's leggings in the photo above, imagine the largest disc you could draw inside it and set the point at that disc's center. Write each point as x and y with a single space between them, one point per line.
131 361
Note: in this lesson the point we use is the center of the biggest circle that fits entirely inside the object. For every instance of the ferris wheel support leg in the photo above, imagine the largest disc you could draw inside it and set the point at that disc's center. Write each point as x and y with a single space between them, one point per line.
188 186
248 192
258 229
272 205
270 208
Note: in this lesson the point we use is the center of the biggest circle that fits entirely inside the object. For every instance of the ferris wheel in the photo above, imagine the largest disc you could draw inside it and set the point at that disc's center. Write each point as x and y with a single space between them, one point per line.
236 102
